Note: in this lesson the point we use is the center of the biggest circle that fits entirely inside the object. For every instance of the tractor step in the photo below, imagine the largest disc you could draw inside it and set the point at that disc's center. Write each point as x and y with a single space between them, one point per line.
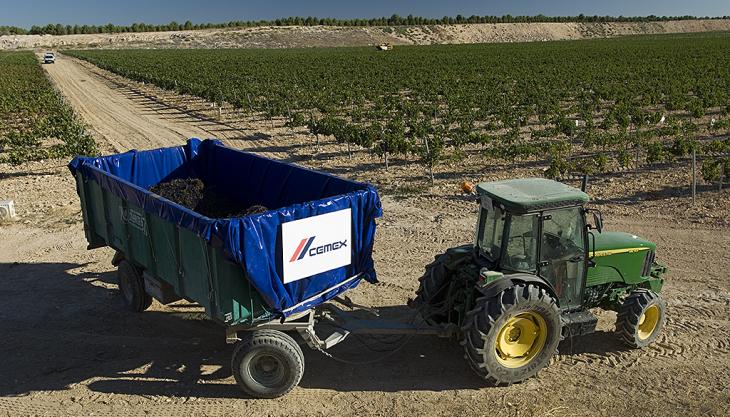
578 323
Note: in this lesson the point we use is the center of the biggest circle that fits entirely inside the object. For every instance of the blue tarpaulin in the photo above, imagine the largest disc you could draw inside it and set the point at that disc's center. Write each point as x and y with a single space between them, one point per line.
292 192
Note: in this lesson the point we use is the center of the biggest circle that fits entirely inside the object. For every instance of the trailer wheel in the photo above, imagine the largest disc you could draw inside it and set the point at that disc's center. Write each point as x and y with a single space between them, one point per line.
267 364
131 287
641 318
511 336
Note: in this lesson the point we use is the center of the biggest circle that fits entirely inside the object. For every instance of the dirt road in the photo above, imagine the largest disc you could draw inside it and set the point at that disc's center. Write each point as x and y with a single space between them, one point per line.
117 120
124 117
70 349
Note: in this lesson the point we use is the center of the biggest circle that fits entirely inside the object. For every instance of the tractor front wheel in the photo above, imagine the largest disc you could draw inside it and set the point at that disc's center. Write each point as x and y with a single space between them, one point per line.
511 336
641 318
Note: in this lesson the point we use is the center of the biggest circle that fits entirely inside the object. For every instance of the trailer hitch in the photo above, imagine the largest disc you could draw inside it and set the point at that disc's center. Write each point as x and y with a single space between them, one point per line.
347 302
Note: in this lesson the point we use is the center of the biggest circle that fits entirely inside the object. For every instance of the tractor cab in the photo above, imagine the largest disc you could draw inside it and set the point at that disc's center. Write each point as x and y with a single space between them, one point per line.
536 226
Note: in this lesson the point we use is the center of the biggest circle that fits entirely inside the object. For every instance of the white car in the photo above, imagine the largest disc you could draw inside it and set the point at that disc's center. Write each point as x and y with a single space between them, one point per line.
49 58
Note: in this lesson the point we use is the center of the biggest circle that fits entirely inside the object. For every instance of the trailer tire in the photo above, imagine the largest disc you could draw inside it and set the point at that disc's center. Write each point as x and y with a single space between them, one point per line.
131 287
511 336
641 318
267 363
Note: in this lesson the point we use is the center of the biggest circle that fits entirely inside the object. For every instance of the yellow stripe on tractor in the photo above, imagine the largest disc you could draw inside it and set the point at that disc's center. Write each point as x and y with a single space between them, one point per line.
616 251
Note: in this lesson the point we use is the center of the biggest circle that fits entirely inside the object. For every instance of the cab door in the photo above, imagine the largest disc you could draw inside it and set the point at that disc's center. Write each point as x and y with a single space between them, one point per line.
562 255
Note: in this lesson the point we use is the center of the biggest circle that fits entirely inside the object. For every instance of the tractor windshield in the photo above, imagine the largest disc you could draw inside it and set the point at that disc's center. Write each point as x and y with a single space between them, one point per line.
491 227
521 252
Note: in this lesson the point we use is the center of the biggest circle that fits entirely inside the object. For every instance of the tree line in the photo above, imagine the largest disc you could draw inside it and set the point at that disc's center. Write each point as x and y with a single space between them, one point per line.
394 20
12 30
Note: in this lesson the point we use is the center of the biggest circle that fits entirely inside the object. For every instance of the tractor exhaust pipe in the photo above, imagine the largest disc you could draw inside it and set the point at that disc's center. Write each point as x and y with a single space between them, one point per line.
584 183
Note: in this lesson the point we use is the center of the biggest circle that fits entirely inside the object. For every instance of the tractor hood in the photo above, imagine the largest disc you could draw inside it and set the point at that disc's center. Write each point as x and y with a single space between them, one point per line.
621 257
611 243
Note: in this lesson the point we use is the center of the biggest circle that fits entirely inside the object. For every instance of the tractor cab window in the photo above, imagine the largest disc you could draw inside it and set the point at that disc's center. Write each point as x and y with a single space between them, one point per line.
521 254
491 227
562 252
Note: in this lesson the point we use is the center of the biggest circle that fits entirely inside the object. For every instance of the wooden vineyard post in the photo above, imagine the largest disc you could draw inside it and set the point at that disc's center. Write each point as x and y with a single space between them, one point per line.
428 155
694 175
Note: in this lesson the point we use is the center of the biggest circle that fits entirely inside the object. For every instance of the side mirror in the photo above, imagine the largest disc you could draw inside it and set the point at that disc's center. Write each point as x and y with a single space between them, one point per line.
598 221
591 250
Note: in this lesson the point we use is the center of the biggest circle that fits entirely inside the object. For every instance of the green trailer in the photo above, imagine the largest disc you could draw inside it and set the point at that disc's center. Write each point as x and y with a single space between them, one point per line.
257 275
167 259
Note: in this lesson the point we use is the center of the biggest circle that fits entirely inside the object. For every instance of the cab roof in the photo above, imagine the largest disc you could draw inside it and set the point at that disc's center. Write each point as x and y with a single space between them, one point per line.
532 194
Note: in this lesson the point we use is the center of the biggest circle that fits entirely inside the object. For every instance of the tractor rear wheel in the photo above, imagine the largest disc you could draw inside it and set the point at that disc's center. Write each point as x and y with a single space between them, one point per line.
641 318
432 286
511 336
432 283
131 287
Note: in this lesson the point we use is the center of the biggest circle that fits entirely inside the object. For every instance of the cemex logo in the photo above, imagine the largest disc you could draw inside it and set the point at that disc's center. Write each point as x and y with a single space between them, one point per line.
304 248
315 244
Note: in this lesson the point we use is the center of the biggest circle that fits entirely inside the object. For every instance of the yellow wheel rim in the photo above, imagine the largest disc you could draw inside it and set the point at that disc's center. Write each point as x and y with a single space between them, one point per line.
648 322
521 339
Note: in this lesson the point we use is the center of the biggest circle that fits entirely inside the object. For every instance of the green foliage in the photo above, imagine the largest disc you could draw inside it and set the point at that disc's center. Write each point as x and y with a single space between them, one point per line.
683 146
591 165
12 30
297 119
564 125
35 122
720 125
558 168
656 152
696 108
513 100
393 139
431 149
624 158
714 168
717 147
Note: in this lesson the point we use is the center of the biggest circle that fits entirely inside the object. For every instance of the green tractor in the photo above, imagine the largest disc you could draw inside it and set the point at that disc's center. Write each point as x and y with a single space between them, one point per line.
536 269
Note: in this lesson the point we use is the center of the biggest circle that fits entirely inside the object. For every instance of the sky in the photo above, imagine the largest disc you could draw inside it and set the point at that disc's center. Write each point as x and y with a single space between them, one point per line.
26 13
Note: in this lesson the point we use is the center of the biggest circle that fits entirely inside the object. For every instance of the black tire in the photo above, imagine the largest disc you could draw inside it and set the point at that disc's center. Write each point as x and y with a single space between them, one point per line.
267 364
131 287
641 318
432 283
505 312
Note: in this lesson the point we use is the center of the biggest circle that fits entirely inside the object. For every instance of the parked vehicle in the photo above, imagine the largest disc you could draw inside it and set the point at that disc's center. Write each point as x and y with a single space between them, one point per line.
314 243
532 275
